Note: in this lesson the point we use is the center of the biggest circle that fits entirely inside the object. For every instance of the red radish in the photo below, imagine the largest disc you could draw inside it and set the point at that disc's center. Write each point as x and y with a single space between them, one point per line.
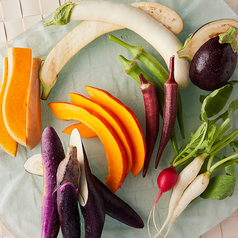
165 181
67 205
52 154
170 110
151 116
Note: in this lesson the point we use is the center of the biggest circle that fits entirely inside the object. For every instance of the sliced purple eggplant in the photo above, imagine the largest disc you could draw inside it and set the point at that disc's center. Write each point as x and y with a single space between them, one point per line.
203 34
67 205
52 154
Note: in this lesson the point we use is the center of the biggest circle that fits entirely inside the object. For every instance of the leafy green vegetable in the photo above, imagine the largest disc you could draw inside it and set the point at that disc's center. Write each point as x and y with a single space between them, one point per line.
234 145
215 101
222 186
210 138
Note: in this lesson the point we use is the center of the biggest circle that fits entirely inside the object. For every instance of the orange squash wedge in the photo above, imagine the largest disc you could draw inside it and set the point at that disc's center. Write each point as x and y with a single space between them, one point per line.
115 151
33 112
112 119
16 91
83 130
6 141
129 120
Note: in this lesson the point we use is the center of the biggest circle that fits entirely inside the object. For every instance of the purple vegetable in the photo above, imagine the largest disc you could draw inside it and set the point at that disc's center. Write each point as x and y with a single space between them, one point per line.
117 208
69 169
170 111
67 204
52 154
212 65
93 209
152 118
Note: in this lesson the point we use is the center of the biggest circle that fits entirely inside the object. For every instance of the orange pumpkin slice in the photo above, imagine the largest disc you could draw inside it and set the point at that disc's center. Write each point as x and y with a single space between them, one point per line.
115 151
112 119
33 113
129 120
16 93
6 141
83 130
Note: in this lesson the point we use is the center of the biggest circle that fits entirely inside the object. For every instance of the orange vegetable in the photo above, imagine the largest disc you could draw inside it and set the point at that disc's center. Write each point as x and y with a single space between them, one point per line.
33 112
16 93
84 130
6 141
128 119
112 119
115 152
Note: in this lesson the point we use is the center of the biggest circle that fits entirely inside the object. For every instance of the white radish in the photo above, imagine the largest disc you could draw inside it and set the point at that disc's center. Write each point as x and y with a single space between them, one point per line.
185 177
119 16
196 188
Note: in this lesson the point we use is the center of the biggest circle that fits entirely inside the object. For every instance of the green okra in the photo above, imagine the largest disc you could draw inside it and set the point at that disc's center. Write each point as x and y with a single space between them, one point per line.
156 69
132 69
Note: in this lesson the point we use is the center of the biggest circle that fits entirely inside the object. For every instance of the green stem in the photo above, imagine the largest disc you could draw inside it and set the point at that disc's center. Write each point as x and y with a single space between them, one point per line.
218 134
229 37
61 15
224 142
177 162
156 69
209 163
222 162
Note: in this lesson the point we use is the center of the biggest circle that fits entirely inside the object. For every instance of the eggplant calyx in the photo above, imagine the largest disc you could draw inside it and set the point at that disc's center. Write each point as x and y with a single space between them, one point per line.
62 15
229 37
184 51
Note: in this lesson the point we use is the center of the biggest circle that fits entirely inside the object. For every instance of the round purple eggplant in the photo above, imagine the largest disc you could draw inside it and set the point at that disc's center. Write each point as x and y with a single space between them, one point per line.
212 65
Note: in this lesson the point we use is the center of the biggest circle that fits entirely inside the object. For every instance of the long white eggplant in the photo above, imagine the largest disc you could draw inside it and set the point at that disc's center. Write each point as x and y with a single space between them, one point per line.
154 22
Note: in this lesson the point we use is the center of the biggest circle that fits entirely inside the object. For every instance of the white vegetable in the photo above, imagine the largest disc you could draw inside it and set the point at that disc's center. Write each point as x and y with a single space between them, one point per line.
133 18
33 165
75 139
196 188
162 39
186 176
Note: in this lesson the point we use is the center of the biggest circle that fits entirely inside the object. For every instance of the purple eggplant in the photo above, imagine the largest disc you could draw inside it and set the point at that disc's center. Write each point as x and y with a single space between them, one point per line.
93 210
213 65
67 204
52 154
116 208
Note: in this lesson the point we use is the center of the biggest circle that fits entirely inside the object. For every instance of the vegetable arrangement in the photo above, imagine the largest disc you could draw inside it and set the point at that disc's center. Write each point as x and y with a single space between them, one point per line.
122 15
112 121
75 183
116 125
205 143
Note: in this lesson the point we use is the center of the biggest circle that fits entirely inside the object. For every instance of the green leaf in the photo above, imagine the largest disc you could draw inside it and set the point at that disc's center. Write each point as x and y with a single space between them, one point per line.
222 186
213 103
234 145
232 107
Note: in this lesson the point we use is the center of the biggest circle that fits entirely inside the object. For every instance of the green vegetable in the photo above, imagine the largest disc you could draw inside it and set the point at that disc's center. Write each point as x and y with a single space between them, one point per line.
132 68
156 69
222 186
209 139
